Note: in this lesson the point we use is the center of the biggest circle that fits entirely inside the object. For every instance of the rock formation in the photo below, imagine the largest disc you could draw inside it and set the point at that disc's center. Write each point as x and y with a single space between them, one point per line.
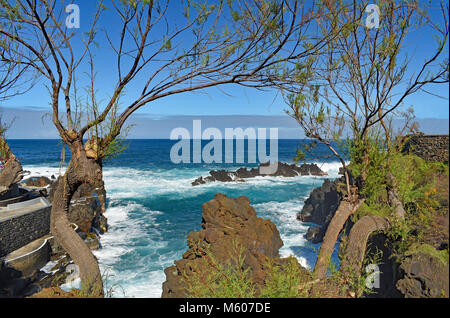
10 168
320 207
284 170
226 220
86 211
10 174
40 182
423 276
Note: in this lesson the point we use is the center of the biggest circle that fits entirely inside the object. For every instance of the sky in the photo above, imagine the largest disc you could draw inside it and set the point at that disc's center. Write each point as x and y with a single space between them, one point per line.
228 106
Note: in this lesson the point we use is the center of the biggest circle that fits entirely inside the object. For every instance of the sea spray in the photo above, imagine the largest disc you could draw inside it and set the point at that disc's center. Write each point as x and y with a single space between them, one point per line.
152 207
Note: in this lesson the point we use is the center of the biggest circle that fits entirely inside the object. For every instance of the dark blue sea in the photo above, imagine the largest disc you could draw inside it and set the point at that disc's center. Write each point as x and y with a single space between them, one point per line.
152 206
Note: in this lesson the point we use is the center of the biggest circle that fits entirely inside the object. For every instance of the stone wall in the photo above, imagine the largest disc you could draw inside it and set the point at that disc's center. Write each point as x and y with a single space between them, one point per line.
17 231
428 147
32 261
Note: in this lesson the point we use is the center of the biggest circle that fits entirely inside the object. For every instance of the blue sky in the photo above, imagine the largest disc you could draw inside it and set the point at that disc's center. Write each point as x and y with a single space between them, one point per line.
244 103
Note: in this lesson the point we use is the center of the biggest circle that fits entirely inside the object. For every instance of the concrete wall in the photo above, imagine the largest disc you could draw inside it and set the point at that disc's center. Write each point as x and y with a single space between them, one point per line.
32 261
17 231
428 147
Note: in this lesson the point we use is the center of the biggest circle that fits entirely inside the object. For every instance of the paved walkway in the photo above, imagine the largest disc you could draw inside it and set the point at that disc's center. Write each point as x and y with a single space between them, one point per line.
6 214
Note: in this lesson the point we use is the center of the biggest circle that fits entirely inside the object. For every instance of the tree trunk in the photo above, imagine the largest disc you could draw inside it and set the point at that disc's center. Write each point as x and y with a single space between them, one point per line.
81 169
393 197
10 174
360 232
357 242
345 210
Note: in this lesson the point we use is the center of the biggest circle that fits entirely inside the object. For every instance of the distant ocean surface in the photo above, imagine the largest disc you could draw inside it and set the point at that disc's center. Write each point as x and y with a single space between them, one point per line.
152 206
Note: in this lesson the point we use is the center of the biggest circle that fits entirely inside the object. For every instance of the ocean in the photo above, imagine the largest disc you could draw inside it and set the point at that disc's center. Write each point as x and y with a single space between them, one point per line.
152 206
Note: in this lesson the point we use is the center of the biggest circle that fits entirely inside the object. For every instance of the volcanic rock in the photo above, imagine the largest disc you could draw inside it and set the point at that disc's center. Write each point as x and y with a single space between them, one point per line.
225 221
40 182
423 276
283 170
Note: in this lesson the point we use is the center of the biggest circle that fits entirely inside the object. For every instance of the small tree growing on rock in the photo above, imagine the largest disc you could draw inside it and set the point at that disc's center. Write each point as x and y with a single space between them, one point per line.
361 81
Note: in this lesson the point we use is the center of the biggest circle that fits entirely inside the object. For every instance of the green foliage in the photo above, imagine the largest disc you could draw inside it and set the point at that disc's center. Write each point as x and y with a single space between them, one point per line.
414 178
167 45
102 130
348 281
114 148
208 278
377 209
442 255
300 155
416 182
399 234
351 282
374 189
315 117
304 150
285 280
211 279
9 11
109 291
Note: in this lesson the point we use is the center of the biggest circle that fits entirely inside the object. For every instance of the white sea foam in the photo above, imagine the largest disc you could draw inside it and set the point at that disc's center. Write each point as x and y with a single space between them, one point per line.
48 267
291 230
120 239
332 168
131 222
122 230
122 183
45 171
132 183
76 283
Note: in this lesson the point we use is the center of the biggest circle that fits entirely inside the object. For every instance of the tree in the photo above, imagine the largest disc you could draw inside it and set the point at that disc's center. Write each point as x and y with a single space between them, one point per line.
232 42
358 84
11 78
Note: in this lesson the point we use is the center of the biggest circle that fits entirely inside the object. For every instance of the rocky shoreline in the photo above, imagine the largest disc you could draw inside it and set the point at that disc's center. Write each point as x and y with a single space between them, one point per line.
320 207
283 170
227 220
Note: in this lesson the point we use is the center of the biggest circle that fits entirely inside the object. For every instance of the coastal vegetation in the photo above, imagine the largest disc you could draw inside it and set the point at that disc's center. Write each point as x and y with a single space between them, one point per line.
233 280
346 98
360 83
419 232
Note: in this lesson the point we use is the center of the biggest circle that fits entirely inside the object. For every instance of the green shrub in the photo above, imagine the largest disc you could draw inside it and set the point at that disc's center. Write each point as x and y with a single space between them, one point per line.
378 209
210 279
286 280
442 255
416 180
